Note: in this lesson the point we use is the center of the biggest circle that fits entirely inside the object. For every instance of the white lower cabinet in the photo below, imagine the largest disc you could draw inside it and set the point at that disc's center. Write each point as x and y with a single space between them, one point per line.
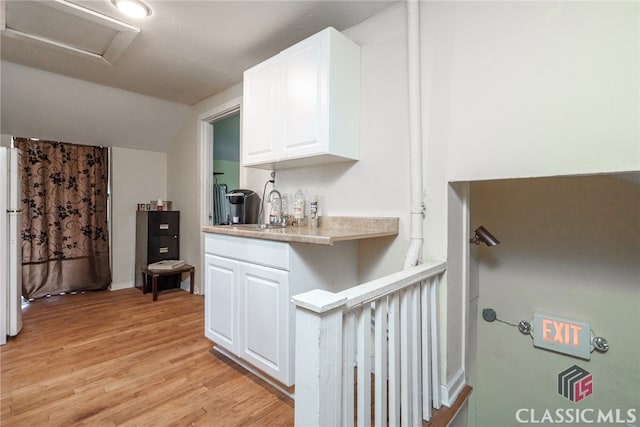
264 300
221 295
248 288
246 313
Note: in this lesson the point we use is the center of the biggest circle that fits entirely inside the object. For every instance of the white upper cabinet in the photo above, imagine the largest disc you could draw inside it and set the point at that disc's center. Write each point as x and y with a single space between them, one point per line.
260 118
302 107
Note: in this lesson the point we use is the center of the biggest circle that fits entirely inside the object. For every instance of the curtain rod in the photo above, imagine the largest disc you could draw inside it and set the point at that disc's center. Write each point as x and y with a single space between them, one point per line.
56 142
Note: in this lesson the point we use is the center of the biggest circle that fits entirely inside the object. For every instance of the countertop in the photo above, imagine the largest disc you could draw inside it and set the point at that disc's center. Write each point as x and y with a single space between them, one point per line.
332 229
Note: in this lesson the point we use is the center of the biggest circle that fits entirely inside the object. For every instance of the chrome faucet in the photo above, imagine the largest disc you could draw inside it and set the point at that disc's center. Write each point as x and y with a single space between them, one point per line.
275 200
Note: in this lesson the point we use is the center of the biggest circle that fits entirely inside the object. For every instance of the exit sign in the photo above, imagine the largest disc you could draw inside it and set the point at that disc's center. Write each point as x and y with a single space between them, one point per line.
562 335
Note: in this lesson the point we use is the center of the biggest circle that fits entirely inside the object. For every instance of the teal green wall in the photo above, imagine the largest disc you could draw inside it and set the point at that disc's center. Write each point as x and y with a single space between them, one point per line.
226 150
231 171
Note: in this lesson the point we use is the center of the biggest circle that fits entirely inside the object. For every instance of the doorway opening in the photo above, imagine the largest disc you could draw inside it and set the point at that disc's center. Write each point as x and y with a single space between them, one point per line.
220 148
226 165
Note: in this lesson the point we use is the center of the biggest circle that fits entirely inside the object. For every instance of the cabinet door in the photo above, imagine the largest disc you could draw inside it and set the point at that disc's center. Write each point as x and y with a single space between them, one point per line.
221 298
260 113
305 93
265 313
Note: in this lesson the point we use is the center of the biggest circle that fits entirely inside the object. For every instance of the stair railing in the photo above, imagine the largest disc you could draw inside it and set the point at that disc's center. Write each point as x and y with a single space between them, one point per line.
380 336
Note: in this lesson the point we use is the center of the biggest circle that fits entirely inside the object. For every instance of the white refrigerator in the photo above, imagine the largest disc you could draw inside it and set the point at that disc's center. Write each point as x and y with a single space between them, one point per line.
10 245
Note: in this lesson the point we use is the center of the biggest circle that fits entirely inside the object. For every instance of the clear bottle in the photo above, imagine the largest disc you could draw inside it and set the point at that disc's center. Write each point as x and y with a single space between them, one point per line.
286 208
298 207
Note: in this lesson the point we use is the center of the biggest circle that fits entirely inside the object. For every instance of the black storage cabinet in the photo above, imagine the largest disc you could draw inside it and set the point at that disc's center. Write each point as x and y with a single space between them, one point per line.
157 239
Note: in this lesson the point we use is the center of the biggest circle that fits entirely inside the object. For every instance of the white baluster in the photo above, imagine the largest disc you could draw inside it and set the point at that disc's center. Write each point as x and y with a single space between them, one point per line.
416 359
426 350
348 360
363 317
394 360
435 346
406 342
381 358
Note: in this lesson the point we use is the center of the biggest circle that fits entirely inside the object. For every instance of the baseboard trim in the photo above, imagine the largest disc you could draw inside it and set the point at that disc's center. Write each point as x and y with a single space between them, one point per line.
449 392
444 416
121 285
289 391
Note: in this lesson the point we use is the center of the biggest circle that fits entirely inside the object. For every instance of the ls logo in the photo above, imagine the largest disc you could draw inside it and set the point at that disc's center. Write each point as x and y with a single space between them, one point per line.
575 383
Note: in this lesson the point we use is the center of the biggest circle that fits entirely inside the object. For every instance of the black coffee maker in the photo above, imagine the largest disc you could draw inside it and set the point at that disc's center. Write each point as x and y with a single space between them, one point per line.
245 206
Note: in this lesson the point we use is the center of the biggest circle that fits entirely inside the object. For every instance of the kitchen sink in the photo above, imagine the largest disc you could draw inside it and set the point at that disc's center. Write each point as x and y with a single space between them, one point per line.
258 226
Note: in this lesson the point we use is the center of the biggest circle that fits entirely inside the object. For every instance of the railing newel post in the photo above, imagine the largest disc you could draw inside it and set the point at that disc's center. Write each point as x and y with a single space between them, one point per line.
318 375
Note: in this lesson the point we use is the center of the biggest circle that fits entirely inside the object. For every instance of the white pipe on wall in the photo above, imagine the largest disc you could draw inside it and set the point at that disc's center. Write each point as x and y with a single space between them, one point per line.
414 253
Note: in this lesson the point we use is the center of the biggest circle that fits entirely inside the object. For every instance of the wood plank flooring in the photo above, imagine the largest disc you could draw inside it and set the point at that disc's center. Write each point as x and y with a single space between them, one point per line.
118 359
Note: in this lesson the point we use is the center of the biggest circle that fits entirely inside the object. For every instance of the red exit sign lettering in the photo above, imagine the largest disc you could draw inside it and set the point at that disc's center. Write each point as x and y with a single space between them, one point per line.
562 335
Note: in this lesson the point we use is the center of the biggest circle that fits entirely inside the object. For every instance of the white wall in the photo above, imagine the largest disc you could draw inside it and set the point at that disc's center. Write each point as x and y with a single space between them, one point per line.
5 140
569 247
137 177
455 293
533 88
50 106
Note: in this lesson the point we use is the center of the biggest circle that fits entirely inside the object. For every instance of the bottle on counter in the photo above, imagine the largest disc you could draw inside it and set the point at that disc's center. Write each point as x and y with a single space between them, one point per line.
313 210
286 208
298 208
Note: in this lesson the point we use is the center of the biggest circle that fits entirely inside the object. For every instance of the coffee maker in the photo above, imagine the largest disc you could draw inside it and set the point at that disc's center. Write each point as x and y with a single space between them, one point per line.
245 206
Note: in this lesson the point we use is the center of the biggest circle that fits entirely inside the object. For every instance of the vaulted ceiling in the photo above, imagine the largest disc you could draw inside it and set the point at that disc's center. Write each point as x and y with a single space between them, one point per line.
185 52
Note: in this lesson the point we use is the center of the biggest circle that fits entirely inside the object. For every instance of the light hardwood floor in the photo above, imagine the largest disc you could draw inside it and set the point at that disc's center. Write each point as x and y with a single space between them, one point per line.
117 358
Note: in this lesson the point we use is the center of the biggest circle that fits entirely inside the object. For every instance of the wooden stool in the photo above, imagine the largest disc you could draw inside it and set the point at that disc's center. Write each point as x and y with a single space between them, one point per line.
169 272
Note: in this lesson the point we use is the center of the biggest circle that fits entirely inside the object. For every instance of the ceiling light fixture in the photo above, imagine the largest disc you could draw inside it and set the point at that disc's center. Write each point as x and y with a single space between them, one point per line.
133 8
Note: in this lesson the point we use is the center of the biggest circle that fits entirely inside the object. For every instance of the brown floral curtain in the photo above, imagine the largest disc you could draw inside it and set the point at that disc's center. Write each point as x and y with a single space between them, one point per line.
64 225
